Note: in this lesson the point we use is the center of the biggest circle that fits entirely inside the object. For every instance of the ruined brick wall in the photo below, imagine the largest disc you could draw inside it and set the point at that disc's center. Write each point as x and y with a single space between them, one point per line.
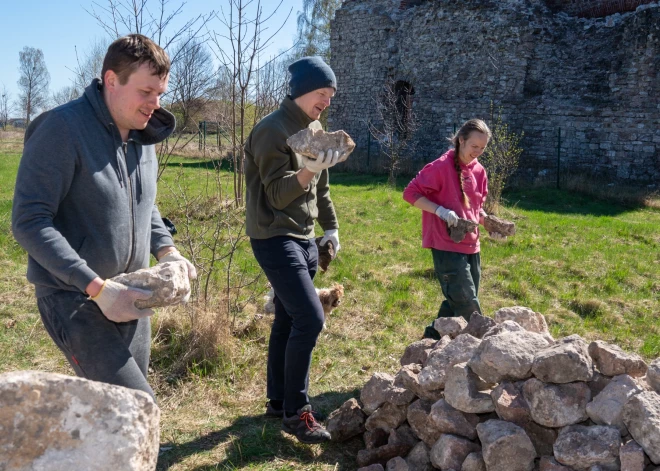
595 79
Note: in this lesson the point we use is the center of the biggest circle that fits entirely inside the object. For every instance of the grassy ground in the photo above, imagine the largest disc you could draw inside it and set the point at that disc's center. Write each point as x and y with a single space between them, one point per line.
591 266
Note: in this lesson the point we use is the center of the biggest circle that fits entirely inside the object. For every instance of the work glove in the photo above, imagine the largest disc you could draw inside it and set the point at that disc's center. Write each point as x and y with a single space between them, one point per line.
327 160
175 256
331 235
117 302
482 217
447 215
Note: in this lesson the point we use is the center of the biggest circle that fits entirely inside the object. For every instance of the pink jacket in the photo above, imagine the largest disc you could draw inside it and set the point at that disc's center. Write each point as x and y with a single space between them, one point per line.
438 182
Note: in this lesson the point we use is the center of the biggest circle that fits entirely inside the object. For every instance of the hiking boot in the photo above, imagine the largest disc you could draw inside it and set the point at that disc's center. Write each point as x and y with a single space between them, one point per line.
279 413
305 427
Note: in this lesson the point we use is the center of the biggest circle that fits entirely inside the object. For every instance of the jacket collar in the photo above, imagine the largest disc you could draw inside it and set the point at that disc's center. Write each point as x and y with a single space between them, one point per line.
160 126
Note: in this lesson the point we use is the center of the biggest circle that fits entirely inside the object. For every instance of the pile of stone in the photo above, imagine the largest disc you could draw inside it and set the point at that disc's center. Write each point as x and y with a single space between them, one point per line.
502 395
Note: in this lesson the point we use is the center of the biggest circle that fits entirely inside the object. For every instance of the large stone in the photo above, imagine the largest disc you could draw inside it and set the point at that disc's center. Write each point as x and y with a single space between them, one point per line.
505 446
474 462
397 464
506 326
372 467
168 283
375 438
451 326
565 361
462 391
543 438
381 389
510 404
418 418
61 423
346 422
548 463
607 407
611 360
450 451
387 417
556 405
507 356
403 435
528 319
459 350
653 375
450 420
408 378
417 352
641 414
631 456
381 455
501 226
419 458
312 142
582 447
478 325
598 383
458 232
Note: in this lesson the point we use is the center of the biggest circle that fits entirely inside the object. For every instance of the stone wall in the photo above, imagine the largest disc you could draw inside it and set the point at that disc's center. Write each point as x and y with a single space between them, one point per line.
593 80
595 8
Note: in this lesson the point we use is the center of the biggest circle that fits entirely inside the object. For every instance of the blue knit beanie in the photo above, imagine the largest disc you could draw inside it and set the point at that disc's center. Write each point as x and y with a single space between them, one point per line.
309 74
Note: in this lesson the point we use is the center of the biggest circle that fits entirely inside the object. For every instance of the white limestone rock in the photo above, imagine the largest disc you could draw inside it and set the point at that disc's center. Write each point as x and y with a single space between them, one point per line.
55 422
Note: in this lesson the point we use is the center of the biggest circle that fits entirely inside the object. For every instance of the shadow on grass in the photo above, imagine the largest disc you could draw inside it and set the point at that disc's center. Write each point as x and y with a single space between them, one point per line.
251 440
551 200
210 164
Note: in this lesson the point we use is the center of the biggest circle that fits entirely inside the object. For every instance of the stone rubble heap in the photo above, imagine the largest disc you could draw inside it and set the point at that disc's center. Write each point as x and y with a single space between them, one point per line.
502 395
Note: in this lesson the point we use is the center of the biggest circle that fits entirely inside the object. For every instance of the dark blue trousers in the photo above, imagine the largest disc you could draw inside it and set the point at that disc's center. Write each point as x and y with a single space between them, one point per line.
97 348
290 265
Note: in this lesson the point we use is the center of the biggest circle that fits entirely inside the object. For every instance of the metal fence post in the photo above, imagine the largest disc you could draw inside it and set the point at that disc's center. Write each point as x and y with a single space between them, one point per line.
558 154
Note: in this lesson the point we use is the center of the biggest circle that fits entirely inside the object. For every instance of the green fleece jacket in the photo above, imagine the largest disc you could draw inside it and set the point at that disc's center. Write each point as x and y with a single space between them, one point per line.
276 203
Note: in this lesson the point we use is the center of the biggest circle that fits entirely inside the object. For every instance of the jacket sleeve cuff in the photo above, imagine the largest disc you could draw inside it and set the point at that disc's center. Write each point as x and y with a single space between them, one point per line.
82 277
160 241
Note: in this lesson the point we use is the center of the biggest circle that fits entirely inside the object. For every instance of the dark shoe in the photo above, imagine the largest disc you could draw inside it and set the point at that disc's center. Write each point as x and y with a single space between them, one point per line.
305 427
279 413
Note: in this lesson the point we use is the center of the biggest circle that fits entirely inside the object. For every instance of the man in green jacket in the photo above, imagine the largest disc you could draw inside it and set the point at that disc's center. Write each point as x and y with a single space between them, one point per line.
286 192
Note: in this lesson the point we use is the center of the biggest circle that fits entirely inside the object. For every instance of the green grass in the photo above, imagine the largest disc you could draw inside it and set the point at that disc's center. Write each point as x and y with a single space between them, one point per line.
590 266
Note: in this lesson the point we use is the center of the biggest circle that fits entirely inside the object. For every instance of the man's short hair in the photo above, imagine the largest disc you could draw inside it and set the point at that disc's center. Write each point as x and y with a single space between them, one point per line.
129 52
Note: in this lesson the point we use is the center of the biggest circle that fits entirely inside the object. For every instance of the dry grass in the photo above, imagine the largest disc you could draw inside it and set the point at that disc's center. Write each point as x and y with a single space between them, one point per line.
11 141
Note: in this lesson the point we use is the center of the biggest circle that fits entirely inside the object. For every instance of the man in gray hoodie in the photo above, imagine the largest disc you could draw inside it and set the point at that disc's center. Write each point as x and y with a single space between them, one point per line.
84 210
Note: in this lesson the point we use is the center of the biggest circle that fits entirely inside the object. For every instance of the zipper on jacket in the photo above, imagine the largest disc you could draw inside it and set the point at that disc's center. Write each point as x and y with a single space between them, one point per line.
124 148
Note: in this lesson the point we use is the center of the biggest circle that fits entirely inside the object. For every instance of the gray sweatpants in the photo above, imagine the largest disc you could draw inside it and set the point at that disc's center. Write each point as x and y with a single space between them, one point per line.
97 348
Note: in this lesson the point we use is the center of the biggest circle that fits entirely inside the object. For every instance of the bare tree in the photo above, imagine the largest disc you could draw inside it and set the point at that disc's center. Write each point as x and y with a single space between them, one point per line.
64 95
192 77
245 28
151 18
6 107
395 125
89 64
500 158
271 87
314 27
33 82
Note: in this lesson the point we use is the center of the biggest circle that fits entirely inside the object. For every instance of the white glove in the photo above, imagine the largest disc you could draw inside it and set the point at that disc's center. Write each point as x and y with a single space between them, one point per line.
330 158
448 215
331 235
117 302
482 216
175 256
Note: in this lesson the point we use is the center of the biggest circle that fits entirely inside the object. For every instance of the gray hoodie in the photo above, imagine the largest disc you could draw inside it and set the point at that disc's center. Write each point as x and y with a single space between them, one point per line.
84 203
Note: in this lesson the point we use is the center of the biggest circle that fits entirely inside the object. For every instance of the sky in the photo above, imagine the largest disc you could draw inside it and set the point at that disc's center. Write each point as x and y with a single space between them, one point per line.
57 27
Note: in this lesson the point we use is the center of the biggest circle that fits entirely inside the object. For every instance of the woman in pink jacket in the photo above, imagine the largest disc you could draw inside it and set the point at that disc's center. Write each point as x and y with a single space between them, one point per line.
451 187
